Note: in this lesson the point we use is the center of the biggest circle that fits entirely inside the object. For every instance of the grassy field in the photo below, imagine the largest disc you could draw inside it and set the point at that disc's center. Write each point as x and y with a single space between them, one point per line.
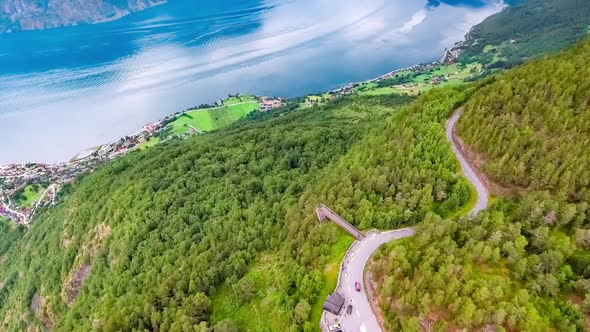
238 100
497 51
198 120
421 82
30 195
310 100
148 144
319 98
203 120
371 89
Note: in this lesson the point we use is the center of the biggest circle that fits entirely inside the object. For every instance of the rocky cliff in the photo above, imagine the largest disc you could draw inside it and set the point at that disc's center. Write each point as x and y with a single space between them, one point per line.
16 15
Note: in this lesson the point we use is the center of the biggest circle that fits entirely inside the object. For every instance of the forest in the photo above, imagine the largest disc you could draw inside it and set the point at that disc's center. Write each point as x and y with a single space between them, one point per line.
523 263
145 242
200 234
9 235
400 171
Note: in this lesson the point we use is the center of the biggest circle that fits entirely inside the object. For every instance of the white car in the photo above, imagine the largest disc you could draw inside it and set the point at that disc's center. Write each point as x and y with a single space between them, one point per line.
335 328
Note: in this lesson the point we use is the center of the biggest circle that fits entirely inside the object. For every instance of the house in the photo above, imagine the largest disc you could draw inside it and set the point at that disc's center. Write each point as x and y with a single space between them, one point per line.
334 303
269 103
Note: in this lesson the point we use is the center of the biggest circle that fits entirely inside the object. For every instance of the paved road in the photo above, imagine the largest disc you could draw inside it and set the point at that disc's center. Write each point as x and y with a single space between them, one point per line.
482 191
362 318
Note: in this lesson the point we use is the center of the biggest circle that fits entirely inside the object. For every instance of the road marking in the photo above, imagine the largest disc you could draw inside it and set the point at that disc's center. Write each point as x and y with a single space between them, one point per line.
358 314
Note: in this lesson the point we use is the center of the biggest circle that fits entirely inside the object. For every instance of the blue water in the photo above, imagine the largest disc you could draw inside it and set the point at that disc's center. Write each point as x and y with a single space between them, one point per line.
68 89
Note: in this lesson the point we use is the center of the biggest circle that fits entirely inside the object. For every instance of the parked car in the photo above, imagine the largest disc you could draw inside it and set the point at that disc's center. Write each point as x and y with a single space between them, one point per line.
335 328
357 286
349 309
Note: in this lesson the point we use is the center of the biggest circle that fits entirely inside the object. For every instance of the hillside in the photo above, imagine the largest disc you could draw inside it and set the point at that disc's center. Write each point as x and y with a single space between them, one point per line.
532 126
16 15
155 239
217 232
527 29
116 252
523 263
396 174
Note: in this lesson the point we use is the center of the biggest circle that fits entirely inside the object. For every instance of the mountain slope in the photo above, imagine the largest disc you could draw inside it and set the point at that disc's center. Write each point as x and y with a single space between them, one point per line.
533 125
397 173
143 242
154 240
527 29
523 263
16 15
146 241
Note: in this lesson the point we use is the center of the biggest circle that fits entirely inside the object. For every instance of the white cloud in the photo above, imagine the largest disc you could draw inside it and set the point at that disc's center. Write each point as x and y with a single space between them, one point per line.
416 19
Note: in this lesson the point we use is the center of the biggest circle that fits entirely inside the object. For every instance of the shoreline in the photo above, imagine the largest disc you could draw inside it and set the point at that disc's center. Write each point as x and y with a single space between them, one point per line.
88 151
15 176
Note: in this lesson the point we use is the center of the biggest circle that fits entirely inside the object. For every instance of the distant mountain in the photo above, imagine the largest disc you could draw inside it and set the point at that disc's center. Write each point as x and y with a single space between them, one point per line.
16 15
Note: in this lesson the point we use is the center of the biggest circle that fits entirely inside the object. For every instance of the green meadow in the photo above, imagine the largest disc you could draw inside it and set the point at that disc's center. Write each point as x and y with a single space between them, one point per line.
418 82
149 143
209 119
29 195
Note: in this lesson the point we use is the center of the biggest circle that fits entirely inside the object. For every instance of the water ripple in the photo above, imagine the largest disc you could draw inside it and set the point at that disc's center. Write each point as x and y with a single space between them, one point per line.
80 86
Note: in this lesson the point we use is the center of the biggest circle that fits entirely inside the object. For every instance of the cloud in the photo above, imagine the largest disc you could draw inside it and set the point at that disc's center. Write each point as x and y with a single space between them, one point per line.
416 19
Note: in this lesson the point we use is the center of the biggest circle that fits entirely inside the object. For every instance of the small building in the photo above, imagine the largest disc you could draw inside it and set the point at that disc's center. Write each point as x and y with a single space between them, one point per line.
334 303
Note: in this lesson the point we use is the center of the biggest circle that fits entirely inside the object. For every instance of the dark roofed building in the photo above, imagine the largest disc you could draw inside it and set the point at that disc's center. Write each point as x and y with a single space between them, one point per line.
334 303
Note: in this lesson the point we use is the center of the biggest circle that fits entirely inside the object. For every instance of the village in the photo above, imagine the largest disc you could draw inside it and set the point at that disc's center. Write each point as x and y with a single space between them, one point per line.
49 178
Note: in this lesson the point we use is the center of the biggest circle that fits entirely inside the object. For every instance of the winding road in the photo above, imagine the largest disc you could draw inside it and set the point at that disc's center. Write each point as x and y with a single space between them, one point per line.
482 191
362 318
